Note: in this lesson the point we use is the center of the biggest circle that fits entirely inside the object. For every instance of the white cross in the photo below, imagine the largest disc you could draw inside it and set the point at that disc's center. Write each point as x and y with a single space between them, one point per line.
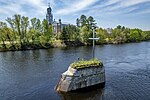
94 39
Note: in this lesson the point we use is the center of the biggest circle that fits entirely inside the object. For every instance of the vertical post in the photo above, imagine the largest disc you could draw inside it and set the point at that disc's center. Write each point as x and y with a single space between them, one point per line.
93 43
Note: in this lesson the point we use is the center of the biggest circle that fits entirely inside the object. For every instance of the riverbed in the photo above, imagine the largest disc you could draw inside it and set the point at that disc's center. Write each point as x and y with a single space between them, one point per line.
33 74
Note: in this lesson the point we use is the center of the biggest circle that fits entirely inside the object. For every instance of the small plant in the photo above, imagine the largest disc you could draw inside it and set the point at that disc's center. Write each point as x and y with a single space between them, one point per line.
86 63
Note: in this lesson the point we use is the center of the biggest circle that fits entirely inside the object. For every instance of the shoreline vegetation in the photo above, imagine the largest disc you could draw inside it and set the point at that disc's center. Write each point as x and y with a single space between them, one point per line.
21 33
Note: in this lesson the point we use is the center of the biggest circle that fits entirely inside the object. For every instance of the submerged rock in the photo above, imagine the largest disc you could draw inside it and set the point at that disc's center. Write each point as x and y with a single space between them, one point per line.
80 78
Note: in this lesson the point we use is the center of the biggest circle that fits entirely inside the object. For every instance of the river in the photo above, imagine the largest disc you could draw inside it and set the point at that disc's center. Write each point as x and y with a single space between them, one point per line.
33 74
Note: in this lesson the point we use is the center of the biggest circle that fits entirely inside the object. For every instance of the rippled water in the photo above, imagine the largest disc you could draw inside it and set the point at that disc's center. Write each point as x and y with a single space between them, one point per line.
32 75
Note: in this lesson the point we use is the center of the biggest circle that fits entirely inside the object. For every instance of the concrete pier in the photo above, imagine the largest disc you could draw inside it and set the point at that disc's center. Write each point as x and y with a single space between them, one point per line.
77 79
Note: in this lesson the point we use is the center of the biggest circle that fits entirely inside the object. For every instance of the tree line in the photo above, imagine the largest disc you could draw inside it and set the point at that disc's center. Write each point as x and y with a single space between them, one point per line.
83 30
19 32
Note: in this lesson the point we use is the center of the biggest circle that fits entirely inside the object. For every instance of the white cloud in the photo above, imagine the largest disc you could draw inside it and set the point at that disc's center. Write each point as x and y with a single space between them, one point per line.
76 6
116 6
11 8
37 7
69 9
127 3
146 11
36 4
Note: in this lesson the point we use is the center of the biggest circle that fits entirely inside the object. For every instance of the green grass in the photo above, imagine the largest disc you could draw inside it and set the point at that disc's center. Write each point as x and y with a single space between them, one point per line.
86 63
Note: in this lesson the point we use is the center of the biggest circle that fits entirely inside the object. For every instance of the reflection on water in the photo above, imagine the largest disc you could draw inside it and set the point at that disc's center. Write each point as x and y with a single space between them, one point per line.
89 95
33 74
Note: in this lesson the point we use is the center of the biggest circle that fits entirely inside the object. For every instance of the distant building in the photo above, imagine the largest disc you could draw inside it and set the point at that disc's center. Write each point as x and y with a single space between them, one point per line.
57 26
49 15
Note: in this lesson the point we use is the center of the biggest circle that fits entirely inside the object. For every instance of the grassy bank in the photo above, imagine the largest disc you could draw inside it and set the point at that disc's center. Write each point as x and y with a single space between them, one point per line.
52 44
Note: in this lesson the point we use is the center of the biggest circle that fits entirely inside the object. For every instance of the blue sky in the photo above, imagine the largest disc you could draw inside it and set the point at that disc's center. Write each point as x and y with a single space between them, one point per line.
107 13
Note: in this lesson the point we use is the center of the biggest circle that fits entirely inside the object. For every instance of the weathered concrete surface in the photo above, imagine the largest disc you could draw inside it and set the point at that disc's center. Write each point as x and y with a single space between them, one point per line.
74 79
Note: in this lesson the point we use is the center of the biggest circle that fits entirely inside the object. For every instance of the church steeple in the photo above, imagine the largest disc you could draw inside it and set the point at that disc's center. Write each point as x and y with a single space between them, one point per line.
49 5
49 15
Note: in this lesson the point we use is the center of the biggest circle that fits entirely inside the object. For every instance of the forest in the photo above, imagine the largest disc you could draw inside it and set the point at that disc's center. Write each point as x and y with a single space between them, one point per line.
20 33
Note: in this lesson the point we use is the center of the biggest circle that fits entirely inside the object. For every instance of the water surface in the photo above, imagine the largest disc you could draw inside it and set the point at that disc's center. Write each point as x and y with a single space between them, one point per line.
33 74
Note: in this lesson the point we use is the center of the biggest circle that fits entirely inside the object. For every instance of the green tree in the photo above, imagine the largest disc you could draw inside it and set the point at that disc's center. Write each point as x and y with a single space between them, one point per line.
90 22
70 33
85 34
83 20
20 25
58 36
24 27
64 35
135 35
11 23
2 33
35 30
119 27
146 35
86 28
73 33
120 34
102 34
10 37
47 31
17 25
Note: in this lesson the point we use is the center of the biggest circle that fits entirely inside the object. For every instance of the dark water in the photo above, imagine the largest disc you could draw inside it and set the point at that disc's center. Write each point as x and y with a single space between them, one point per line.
32 75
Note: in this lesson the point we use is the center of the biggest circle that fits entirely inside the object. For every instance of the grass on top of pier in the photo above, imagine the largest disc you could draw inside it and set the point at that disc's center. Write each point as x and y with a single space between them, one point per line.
86 63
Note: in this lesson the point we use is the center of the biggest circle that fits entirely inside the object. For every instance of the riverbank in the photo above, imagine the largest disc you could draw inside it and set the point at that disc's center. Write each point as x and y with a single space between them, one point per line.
54 44
34 46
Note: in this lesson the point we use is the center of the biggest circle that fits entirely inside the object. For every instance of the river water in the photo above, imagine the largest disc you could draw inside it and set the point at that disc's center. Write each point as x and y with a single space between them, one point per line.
33 74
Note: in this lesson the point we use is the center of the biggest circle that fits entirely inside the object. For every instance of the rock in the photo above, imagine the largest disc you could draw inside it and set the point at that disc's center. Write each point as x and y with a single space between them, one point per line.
77 79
